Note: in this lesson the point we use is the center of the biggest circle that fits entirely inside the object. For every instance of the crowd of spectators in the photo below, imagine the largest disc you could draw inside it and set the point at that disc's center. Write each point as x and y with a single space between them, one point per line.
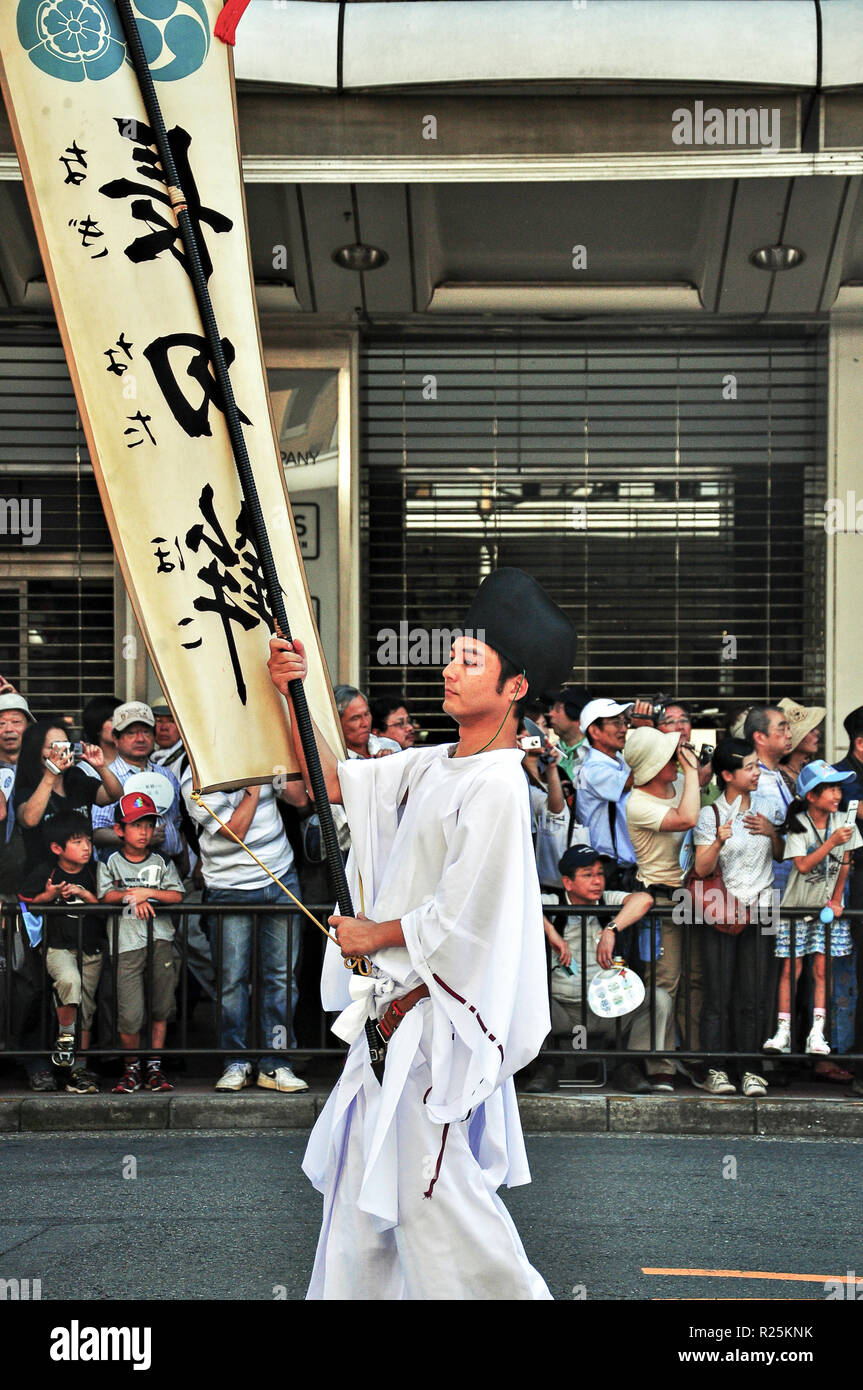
745 851
632 826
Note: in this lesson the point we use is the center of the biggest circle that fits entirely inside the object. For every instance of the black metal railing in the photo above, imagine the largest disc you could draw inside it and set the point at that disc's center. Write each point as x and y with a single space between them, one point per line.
28 1023
765 987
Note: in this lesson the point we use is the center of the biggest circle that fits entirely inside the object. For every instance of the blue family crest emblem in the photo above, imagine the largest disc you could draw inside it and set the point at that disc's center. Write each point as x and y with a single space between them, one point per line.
83 40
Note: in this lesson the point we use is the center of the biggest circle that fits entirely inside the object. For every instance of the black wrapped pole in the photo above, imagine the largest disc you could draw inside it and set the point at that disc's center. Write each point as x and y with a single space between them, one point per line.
335 864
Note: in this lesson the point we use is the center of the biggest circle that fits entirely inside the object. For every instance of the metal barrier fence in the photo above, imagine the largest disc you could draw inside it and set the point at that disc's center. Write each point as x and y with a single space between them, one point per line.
28 1024
688 1019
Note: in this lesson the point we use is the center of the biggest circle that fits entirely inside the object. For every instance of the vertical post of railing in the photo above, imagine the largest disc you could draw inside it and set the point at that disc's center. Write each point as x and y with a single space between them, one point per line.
184 981
654 929
792 981
828 982
253 1030
115 966
44 1042
219 910
150 982
6 927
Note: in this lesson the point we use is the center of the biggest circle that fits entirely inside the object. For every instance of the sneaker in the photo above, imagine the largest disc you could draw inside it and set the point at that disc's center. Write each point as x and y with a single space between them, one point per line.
662 1081
753 1085
716 1083
781 1040
156 1079
235 1076
816 1042
131 1081
82 1082
282 1079
42 1080
64 1050
696 1072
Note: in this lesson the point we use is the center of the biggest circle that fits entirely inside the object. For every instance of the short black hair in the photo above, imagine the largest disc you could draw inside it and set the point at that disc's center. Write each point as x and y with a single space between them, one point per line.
728 757
94 714
384 705
507 671
60 829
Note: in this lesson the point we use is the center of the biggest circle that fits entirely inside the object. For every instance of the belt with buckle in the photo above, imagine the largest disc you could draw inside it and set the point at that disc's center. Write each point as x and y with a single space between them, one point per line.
389 1022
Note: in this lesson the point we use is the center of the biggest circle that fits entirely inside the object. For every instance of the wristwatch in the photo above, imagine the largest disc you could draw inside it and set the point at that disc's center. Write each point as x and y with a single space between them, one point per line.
611 926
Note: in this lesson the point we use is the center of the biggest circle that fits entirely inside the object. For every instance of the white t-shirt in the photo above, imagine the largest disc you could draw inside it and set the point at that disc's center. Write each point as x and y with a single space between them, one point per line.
657 852
225 864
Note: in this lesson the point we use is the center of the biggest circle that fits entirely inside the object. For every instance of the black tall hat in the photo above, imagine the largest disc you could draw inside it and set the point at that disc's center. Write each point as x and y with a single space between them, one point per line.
514 614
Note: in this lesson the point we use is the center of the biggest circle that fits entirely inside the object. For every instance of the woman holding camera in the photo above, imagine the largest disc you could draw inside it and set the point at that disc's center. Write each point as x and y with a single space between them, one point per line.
48 782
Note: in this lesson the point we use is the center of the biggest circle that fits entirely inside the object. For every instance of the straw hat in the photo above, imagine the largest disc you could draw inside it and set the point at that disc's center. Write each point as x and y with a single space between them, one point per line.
648 751
801 719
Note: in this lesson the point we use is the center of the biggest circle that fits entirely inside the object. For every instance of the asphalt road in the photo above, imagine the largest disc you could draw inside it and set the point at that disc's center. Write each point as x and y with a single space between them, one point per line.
231 1216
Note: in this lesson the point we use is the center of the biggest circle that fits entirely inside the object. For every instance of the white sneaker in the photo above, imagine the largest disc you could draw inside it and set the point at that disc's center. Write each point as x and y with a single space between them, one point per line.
282 1079
753 1085
235 1076
718 1084
816 1042
781 1040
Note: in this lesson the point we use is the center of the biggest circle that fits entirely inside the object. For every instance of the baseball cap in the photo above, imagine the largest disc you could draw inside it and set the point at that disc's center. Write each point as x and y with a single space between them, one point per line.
135 712
600 709
135 806
161 708
577 857
18 702
817 773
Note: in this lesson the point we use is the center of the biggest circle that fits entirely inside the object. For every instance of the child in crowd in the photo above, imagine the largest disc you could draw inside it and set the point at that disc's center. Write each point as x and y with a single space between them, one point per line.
736 836
69 876
137 877
820 845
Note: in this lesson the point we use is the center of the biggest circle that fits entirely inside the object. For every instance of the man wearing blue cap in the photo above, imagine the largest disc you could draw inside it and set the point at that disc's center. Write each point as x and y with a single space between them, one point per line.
583 875
441 846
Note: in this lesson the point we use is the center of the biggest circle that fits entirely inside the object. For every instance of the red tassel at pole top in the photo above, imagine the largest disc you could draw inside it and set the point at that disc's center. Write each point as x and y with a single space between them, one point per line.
226 24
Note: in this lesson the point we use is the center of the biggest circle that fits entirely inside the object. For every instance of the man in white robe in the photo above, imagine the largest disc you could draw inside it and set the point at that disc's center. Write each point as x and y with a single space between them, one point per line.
443 863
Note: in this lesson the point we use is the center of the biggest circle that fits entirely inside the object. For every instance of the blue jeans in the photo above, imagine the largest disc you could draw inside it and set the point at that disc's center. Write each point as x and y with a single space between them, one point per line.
236 958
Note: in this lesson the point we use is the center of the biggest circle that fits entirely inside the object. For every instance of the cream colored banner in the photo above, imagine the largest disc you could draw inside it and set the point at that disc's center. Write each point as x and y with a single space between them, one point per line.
148 400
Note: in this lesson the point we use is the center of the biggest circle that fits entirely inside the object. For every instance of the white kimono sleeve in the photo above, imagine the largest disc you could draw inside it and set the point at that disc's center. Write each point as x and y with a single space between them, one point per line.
478 944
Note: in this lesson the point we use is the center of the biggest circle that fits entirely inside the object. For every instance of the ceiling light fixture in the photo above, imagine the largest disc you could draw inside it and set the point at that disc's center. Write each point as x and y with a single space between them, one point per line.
777 257
360 257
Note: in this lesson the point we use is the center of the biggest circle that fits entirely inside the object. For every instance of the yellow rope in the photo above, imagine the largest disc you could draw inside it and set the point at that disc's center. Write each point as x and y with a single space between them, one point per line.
349 960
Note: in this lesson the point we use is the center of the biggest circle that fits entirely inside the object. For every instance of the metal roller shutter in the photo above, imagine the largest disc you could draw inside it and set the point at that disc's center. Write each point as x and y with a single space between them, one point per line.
56 586
669 495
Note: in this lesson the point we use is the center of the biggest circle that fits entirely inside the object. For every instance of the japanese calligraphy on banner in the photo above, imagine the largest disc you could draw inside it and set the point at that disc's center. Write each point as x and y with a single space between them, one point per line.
144 382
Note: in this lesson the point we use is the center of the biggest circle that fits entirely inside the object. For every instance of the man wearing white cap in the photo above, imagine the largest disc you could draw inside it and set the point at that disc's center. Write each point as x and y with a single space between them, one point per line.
14 718
134 732
603 786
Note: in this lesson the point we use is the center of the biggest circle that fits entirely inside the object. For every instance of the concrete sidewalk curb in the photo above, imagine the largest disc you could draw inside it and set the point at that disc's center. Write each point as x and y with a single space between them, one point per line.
787 1116
733 1115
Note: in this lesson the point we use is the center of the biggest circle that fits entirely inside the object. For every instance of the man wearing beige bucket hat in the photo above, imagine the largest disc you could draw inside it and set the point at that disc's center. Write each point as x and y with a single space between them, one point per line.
662 808
804 739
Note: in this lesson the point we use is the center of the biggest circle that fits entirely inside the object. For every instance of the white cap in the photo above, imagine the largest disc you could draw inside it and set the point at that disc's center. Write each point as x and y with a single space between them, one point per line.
600 709
134 712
